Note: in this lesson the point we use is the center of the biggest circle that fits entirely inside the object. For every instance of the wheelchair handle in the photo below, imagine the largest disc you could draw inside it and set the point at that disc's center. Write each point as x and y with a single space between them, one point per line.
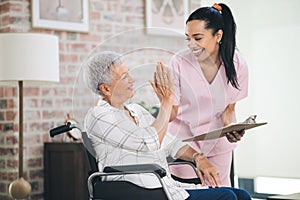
61 129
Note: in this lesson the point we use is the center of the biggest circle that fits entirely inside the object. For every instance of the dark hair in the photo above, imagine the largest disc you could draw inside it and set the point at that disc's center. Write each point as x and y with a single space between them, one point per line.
223 20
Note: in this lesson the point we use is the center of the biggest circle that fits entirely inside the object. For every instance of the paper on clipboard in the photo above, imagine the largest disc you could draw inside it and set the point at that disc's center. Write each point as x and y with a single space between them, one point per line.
221 131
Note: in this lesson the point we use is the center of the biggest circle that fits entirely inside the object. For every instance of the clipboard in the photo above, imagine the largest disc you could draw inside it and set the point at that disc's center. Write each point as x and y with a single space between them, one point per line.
218 133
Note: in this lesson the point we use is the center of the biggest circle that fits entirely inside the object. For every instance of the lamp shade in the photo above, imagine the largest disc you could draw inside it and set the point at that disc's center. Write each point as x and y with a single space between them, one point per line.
29 57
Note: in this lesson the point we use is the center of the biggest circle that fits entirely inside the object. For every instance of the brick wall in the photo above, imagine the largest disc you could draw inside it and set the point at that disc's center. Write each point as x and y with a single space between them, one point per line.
115 25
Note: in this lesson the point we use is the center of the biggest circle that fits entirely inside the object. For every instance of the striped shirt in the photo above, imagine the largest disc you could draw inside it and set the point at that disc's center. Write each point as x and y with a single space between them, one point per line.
118 141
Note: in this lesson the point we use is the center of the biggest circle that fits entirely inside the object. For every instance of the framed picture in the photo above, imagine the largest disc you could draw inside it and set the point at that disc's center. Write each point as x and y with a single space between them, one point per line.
68 15
166 17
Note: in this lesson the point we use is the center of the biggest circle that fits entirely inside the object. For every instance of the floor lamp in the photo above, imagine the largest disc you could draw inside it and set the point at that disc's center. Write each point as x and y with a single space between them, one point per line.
27 57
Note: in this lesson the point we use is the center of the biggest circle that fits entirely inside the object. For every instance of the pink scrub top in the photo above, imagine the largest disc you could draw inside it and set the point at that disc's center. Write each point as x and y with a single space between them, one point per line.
201 103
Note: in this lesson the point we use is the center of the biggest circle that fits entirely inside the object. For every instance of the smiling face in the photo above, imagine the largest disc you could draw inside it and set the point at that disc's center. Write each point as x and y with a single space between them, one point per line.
201 41
122 84
121 87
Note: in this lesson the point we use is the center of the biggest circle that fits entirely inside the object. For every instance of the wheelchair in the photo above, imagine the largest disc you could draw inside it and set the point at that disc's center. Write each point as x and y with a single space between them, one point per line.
102 189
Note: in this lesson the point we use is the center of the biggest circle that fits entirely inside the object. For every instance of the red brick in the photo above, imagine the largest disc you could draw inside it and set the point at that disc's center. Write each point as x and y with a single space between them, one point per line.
62 35
115 7
36 174
72 69
14 127
10 91
48 92
35 126
8 176
104 28
2 164
52 114
36 151
97 6
68 58
10 115
3 187
4 8
66 91
78 47
68 80
5 29
61 46
46 138
2 139
134 19
72 36
47 103
47 125
31 139
10 103
32 115
8 126
8 151
3 104
95 15
11 139
90 38
3 176
67 102
34 162
31 91
31 103
12 164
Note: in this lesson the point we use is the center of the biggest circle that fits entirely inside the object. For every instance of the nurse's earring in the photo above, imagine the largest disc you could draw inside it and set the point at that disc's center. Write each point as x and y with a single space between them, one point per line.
219 42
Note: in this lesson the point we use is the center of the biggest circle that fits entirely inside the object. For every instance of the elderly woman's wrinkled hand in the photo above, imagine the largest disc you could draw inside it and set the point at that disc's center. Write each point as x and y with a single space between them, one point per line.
163 83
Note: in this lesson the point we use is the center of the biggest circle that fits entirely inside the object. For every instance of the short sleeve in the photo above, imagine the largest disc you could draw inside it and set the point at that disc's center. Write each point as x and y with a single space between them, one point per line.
242 78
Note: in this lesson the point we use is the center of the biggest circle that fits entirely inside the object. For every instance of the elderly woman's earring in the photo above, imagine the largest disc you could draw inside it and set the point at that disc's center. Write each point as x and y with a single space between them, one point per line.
220 42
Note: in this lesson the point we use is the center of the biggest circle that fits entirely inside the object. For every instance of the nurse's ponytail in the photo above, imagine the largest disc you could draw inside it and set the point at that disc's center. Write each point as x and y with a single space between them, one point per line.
228 44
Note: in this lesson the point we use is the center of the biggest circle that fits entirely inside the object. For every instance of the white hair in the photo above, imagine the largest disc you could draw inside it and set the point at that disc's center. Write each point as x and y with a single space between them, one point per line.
97 69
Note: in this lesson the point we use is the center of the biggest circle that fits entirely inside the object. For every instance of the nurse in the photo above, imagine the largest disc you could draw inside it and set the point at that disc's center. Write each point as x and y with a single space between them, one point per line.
210 76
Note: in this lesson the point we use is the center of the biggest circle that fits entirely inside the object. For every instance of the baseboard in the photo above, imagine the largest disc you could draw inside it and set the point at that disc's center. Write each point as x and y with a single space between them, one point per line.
248 184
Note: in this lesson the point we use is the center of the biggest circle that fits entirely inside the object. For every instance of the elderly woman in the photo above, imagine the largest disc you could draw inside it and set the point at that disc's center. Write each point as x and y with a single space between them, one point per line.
123 134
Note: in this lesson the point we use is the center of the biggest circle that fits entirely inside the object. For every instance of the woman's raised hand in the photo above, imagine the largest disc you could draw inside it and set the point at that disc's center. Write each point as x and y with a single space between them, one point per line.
163 87
163 83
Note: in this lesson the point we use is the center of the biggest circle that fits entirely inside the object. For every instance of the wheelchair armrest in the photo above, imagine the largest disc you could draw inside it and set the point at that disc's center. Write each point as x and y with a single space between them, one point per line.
137 168
185 180
192 165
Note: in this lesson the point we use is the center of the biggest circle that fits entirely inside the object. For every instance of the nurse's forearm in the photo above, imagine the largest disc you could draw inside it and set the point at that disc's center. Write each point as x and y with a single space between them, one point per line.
229 114
173 113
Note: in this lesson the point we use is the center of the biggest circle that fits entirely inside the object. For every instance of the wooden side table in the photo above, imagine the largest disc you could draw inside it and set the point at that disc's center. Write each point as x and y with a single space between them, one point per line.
65 171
